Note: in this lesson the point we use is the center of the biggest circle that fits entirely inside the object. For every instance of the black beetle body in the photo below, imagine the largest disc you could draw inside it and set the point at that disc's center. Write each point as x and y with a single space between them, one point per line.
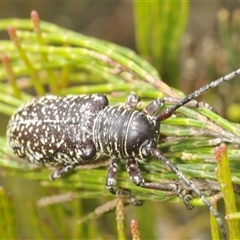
75 129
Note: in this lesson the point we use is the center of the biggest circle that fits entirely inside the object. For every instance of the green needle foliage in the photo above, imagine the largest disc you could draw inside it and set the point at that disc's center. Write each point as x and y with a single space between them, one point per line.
161 25
43 58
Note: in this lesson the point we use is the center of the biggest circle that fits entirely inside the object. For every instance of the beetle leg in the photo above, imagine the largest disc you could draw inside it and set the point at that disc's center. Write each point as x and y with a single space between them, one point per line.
132 100
61 171
136 177
111 176
111 185
153 106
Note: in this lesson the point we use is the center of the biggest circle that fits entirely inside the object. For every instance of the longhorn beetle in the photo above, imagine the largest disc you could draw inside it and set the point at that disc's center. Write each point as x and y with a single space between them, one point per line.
72 130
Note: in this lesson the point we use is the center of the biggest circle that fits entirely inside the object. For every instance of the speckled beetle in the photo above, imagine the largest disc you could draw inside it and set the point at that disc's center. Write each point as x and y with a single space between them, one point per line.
68 131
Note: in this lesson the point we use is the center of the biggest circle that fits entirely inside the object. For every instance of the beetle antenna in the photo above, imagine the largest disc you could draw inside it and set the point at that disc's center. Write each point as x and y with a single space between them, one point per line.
169 111
158 154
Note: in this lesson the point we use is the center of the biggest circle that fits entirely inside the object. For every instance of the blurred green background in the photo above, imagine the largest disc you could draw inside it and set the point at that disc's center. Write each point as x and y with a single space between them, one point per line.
205 51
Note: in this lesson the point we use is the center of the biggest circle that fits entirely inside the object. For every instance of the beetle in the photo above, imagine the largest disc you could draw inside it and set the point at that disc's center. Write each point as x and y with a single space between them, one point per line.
72 130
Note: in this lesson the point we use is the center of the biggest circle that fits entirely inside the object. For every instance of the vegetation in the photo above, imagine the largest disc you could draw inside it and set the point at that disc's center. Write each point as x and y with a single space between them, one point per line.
42 58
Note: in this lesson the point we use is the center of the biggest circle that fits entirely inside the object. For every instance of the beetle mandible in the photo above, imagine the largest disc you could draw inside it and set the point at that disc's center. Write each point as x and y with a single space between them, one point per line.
68 131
